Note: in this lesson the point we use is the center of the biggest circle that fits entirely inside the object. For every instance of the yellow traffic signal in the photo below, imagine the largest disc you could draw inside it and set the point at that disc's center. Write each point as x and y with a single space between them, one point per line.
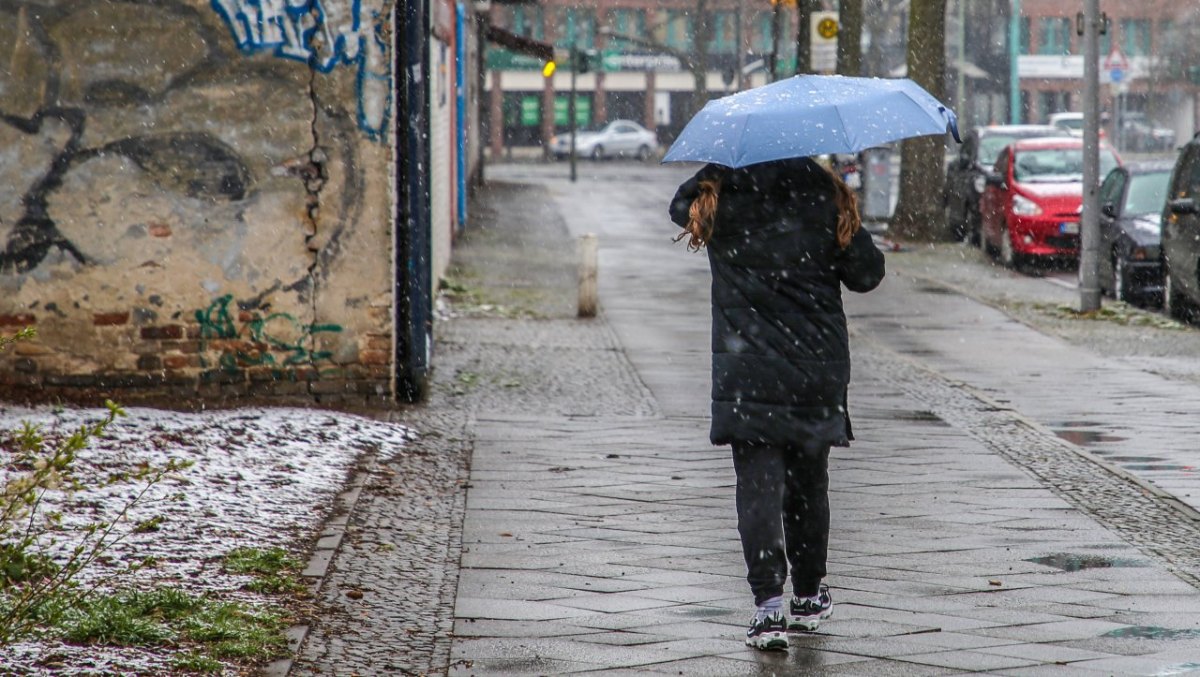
549 69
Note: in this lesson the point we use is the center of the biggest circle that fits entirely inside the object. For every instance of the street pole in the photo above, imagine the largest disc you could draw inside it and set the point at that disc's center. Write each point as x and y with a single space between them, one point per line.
961 82
1014 51
776 38
738 38
575 54
1089 231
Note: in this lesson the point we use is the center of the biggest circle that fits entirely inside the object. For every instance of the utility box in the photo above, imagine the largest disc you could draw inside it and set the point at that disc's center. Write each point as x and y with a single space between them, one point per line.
877 184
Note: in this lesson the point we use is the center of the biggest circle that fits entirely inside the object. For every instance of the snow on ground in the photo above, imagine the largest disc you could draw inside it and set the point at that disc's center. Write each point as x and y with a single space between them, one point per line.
260 478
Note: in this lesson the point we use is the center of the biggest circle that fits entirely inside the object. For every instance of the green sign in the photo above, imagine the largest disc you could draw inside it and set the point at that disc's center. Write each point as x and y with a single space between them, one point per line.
505 60
531 111
583 111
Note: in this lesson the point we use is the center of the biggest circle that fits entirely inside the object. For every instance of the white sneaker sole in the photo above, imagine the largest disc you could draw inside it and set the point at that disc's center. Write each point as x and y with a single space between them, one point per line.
808 624
769 641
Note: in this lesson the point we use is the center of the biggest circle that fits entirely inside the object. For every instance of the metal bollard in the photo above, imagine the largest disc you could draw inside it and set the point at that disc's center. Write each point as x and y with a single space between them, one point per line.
588 294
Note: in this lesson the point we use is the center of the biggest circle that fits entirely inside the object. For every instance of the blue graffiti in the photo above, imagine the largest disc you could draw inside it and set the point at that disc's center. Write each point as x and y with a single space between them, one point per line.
322 34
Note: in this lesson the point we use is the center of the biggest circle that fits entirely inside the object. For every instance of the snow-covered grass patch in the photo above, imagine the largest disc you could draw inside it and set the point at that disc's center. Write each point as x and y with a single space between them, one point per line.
260 478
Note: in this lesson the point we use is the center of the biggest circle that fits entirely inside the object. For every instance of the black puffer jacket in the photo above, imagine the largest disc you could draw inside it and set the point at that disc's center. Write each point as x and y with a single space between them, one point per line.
781 357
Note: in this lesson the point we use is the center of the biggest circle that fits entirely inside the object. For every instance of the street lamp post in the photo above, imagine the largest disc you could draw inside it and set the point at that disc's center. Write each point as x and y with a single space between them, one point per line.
1089 230
1014 51
571 107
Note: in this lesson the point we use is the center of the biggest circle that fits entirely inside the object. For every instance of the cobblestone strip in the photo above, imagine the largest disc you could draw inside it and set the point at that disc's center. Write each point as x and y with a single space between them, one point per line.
387 603
1143 515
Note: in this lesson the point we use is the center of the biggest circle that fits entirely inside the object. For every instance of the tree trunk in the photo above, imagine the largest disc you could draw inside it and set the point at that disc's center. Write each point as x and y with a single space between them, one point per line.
804 11
919 210
701 37
849 45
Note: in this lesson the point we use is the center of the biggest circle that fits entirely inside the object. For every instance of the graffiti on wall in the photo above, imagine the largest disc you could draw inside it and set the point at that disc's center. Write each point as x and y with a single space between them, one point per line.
78 93
323 34
246 339
195 164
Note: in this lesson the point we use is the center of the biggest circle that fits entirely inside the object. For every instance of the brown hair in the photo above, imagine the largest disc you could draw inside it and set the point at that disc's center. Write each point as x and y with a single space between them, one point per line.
703 213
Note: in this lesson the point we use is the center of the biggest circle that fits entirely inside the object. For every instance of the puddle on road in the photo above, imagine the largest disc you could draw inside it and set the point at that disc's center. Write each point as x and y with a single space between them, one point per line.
1154 466
1154 632
918 416
932 289
1074 562
1085 438
700 611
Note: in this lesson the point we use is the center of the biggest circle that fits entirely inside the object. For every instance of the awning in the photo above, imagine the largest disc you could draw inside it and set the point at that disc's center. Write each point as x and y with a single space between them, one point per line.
520 43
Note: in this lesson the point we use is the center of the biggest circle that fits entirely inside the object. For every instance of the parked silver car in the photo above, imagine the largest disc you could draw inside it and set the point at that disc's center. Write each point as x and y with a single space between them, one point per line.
619 138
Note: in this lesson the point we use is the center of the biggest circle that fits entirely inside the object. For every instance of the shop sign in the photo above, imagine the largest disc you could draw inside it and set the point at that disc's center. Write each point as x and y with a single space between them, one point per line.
501 59
614 61
583 111
531 111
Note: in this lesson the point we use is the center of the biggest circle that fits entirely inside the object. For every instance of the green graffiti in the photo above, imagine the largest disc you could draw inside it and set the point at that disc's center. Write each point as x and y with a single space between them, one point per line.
286 341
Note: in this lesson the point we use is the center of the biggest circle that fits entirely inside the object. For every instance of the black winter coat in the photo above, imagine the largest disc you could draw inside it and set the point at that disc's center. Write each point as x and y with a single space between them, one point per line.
781 356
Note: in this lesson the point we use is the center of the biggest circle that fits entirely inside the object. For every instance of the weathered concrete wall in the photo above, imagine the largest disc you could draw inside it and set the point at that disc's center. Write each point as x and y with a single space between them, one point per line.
195 198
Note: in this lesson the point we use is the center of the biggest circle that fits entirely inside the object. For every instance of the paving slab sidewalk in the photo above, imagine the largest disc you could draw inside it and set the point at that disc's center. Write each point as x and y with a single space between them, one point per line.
598 531
607 543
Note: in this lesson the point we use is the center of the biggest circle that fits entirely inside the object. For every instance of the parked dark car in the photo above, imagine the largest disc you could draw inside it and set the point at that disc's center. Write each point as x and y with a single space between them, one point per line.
1181 235
1131 208
966 174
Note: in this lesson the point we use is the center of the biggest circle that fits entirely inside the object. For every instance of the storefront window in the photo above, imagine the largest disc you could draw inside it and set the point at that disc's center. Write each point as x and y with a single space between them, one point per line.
576 27
1054 36
1135 37
627 22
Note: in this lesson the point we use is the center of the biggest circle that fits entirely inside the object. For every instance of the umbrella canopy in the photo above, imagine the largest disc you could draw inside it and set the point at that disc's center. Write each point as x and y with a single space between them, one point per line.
810 115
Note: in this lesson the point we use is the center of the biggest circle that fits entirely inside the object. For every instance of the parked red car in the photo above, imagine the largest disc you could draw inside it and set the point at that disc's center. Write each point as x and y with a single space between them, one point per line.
1030 208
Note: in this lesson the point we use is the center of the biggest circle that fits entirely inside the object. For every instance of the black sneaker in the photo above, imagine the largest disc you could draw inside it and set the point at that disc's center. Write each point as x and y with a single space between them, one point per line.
807 615
768 634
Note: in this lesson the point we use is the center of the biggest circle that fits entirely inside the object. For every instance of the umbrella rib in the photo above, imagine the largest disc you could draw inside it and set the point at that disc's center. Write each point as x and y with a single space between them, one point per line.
845 133
745 123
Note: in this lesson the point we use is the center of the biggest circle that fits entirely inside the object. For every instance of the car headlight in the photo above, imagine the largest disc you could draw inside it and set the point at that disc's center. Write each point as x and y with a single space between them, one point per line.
980 183
1023 206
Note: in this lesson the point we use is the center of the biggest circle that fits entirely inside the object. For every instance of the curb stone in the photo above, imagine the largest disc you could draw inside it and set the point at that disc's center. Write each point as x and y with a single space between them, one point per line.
318 566
1185 510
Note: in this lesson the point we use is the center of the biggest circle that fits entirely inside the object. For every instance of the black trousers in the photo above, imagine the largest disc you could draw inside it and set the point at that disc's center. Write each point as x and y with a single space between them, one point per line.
783 516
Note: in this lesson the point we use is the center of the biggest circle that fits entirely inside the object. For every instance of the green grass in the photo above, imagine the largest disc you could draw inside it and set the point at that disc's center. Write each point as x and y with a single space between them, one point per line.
274 571
211 629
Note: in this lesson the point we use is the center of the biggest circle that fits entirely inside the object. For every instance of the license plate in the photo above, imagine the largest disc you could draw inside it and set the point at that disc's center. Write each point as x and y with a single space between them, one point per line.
1068 228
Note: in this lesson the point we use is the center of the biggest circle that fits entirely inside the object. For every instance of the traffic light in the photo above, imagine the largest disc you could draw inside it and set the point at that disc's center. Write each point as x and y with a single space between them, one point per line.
549 68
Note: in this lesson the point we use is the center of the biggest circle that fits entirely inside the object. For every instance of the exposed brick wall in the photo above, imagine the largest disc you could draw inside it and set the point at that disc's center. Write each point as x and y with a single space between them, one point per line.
192 213
179 365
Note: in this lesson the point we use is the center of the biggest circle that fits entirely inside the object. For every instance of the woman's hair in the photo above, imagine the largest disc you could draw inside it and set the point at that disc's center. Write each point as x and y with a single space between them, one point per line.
848 220
703 213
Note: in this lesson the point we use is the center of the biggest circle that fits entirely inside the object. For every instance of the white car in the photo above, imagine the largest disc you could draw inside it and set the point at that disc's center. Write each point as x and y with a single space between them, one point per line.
619 138
1071 123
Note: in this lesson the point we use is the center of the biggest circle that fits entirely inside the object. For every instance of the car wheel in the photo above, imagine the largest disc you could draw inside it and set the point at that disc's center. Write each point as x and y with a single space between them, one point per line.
643 152
1008 254
974 227
953 226
598 153
1174 305
1120 279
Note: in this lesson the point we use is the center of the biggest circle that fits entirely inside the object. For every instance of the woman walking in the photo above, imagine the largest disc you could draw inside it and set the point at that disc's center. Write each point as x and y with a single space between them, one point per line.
782 237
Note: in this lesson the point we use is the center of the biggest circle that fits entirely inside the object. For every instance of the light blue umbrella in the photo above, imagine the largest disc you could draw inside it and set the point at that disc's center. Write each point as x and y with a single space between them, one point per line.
810 115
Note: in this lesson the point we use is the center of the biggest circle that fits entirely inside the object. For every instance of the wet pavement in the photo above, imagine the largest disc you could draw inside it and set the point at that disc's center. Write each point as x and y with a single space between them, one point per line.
976 525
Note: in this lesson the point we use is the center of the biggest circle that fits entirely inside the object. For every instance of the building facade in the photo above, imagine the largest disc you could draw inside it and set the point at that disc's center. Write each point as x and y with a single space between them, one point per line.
638 68
1145 53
